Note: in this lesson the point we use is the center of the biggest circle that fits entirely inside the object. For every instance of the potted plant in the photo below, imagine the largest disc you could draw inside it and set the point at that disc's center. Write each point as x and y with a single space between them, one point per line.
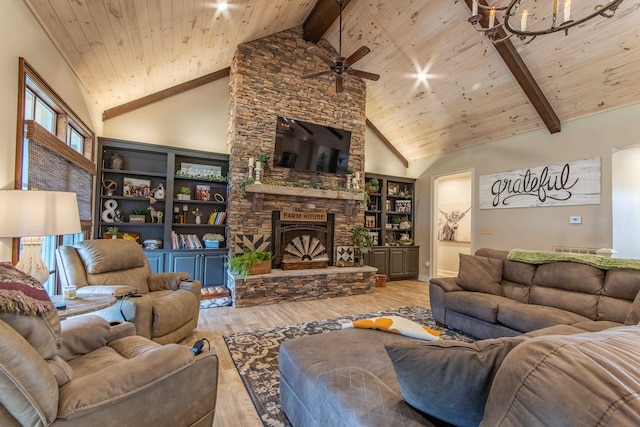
395 221
251 262
111 233
362 241
184 193
372 186
198 214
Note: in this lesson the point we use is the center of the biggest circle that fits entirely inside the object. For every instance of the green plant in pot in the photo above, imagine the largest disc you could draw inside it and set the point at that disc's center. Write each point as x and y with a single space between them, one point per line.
372 186
362 241
242 264
112 232
396 220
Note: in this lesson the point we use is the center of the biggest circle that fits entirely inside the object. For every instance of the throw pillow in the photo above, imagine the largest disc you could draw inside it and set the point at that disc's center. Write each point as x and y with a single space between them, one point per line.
449 380
397 325
480 274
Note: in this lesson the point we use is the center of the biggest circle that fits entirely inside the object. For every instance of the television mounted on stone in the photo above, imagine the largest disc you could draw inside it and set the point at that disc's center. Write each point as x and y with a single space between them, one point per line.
311 147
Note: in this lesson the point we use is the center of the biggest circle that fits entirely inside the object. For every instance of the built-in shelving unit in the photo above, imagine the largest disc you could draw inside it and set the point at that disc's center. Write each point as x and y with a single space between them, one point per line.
390 216
138 179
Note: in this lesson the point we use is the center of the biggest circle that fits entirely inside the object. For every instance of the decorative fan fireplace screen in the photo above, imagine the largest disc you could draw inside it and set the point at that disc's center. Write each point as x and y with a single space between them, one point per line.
302 245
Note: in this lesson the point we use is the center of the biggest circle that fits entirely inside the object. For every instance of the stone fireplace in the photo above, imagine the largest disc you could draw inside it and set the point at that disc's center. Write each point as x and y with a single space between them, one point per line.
265 83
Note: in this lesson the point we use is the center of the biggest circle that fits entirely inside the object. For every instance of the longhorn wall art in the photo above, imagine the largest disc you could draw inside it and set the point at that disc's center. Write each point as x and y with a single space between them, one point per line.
559 184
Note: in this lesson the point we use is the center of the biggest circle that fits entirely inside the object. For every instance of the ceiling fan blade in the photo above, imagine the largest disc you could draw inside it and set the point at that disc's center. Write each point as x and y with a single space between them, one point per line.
339 87
320 54
358 54
363 74
317 74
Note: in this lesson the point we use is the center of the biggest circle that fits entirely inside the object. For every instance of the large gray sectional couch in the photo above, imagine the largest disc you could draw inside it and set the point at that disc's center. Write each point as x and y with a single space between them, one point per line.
557 353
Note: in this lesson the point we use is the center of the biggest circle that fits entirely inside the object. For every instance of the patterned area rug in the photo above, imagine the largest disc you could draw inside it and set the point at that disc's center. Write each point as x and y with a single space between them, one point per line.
255 355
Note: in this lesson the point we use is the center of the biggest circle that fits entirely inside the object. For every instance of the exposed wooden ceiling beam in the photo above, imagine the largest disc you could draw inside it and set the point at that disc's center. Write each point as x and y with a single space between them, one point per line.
389 145
523 76
163 94
320 19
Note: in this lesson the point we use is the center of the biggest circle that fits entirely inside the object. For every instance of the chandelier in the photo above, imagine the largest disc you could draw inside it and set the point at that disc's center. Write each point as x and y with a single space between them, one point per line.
546 21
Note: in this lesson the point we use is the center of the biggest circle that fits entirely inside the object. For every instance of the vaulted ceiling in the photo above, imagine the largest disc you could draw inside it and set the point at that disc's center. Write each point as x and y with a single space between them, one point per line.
124 50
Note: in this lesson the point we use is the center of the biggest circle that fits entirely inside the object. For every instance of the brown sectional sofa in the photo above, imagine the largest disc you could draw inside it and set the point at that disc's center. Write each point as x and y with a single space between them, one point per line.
564 357
528 297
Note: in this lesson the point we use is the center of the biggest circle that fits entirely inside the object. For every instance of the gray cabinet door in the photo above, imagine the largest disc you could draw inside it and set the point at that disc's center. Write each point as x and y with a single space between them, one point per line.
187 262
213 270
156 261
379 258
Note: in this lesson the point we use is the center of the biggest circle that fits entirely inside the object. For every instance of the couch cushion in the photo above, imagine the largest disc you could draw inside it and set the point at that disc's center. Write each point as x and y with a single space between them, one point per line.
112 373
633 315
570 276
543 381
449 380
513 271
475 304
480 274
106 255
303 360
528 317
584 304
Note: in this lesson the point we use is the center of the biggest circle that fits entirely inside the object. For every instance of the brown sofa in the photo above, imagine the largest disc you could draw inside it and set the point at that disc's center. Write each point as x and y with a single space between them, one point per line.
496 297
164 306
86 372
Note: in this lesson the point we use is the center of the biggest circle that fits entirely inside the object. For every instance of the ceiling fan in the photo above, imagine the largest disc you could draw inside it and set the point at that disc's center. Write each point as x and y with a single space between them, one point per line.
339 64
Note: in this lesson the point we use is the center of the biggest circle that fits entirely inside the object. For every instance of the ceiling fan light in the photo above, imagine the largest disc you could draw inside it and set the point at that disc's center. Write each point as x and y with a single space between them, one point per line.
222 6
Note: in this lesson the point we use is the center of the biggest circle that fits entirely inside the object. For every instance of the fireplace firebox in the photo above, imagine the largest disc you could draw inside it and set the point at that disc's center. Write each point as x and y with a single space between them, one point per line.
302 241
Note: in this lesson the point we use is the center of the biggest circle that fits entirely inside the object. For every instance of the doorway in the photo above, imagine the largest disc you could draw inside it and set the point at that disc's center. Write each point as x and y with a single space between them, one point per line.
626 201
451 222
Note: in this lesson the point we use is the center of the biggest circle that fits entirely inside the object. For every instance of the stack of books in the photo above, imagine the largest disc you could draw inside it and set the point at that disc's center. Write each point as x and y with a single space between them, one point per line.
217 218
185 241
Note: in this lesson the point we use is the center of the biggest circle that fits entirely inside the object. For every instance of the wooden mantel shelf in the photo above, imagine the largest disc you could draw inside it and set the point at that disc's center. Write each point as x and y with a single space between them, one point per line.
259 190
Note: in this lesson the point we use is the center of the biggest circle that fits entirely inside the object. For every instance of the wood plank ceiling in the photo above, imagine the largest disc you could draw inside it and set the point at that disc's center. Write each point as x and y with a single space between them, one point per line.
124 50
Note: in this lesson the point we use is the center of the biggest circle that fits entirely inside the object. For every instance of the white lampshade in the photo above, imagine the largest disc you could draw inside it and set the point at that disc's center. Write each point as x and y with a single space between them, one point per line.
38 213
33 214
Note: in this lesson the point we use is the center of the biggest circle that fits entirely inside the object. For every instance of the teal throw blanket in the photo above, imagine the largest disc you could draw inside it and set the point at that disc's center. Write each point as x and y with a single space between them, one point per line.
544 257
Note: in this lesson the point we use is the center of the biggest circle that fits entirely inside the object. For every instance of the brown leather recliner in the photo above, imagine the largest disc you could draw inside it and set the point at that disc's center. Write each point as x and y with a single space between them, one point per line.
166 306
90 373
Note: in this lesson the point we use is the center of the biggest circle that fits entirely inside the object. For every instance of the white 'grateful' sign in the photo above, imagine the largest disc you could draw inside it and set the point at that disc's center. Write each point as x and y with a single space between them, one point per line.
560 184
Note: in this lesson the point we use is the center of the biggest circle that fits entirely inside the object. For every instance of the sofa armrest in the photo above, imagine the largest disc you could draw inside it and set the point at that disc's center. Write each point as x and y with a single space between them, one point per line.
102 290
448 284
166 281
82 335
192 286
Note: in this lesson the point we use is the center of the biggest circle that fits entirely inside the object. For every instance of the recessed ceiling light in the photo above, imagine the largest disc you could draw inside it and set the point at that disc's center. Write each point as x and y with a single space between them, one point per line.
222 6
422 76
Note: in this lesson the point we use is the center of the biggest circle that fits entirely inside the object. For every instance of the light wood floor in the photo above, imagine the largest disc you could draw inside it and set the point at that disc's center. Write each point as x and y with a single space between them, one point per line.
234 407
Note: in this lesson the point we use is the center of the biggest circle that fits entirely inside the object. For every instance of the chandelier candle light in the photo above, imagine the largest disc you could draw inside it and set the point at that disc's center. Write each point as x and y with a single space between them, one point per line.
480 9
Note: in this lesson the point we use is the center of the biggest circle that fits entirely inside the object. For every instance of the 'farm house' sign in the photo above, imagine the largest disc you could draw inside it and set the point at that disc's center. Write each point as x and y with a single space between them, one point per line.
560 184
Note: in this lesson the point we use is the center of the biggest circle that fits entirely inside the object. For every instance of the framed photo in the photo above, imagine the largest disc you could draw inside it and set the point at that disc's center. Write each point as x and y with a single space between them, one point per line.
203 192
403 206
393 188
133 187
194 169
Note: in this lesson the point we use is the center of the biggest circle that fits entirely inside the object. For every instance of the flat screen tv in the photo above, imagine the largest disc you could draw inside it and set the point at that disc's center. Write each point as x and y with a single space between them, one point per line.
311 147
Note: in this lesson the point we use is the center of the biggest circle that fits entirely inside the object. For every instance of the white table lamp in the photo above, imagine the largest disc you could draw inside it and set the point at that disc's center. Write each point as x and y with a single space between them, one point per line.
33 214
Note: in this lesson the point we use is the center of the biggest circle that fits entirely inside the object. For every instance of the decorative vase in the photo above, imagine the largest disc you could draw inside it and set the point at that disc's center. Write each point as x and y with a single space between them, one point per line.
116 161
348 181
198 221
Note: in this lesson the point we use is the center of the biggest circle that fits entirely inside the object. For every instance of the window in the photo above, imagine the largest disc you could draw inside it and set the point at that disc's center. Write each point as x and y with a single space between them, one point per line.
56 150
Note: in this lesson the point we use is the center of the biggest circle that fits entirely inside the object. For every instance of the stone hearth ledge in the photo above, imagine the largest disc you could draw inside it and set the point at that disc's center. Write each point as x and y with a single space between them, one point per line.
298 285
259 190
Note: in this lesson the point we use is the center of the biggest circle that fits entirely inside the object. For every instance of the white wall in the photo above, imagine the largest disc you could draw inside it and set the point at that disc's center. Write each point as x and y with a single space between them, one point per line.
24 37
543 227
197 119
626 202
